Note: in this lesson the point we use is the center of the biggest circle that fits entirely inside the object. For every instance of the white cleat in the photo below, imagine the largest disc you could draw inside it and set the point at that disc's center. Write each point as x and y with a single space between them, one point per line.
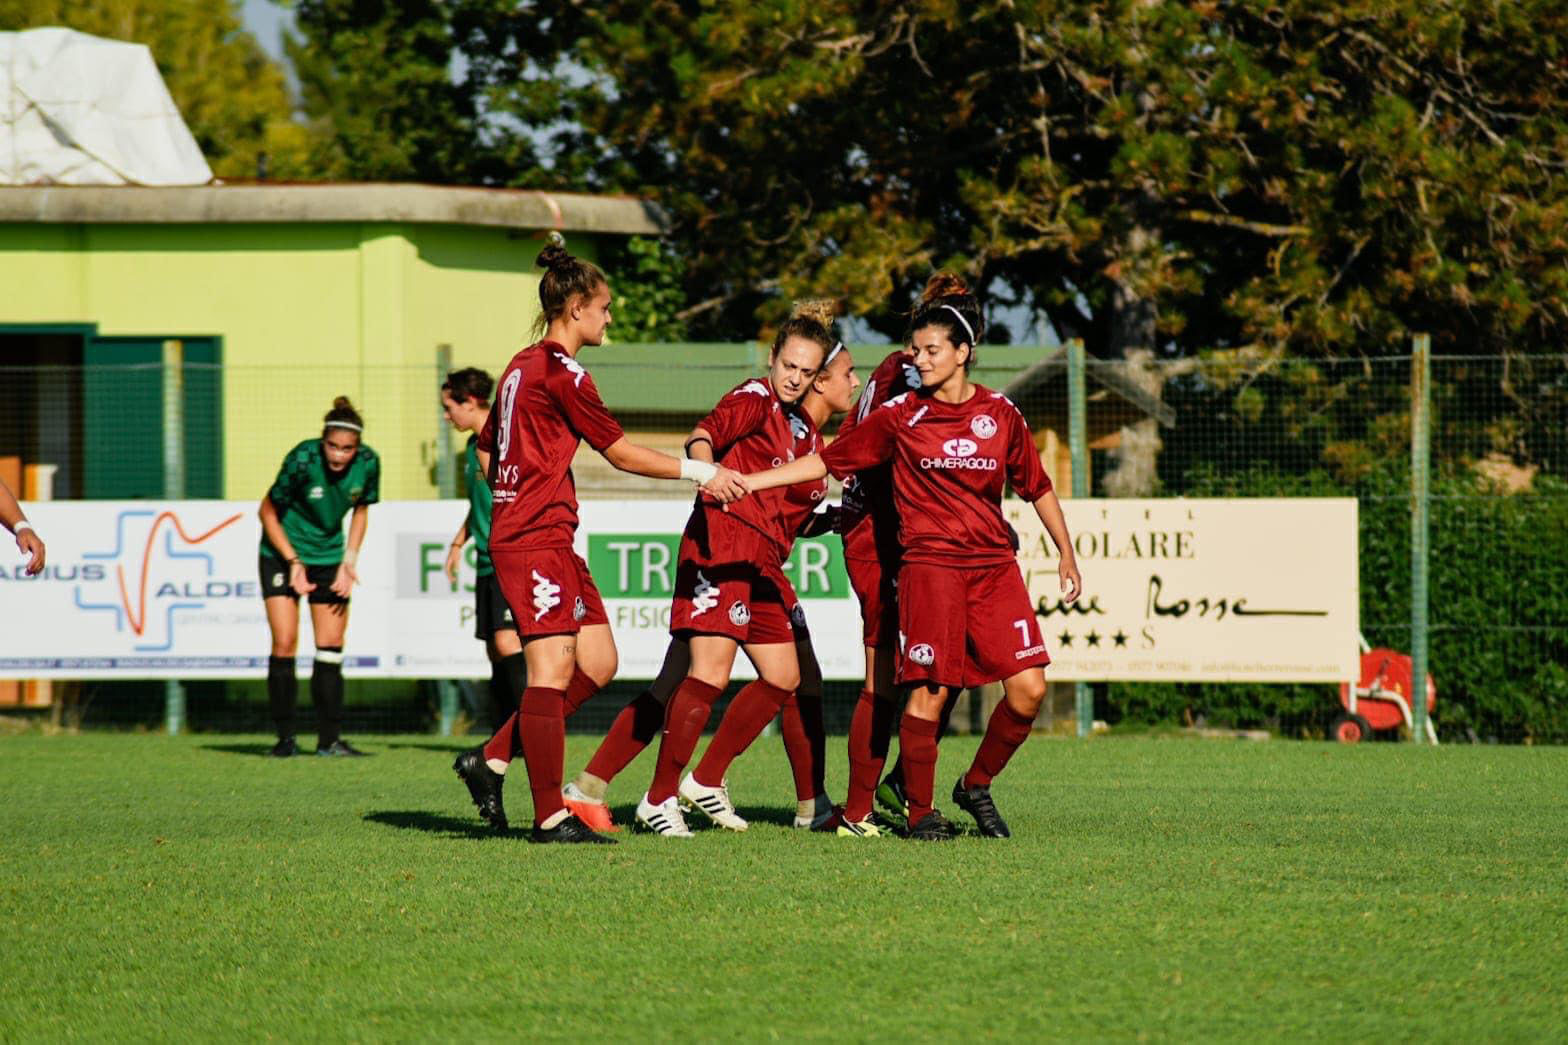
662 819
821 813
714 802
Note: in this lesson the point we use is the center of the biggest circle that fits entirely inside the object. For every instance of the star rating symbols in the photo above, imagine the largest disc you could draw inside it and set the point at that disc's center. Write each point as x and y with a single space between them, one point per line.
1120 639
1093 638
1065 638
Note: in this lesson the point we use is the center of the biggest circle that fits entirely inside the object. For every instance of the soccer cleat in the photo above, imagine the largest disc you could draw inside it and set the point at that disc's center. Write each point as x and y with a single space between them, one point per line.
569 830
662 819
284 748
595 814
713 801
933 827
339 749
820 815
976 801
484 785
891 797
866 828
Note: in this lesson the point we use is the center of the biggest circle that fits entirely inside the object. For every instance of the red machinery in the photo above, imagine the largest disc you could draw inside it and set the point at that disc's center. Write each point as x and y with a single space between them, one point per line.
1381 698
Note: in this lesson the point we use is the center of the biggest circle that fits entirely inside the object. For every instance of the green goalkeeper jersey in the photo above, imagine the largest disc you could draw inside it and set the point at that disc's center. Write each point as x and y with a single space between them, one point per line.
479 507
311 501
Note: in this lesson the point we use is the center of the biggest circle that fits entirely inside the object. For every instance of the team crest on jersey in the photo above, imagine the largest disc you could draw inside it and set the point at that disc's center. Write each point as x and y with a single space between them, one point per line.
983 427
797 615
574 366
317 493
740 616
579 610
922 653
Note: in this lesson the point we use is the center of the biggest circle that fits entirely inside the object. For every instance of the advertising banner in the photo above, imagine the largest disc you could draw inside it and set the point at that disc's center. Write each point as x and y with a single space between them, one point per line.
1174 589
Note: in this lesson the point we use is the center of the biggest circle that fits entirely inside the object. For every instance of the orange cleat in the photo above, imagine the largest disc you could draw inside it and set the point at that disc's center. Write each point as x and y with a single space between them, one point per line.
595 814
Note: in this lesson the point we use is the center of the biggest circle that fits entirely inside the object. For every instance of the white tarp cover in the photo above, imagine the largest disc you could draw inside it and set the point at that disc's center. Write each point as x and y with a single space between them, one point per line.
81 110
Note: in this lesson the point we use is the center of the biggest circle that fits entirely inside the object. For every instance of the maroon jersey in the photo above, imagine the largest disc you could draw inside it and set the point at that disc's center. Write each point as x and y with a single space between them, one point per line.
949 465
869 521
802 499
546 405
751 433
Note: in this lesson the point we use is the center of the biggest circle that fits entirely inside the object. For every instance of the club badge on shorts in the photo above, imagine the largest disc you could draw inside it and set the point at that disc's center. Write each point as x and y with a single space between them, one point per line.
797 615
922 653
740 616
579 610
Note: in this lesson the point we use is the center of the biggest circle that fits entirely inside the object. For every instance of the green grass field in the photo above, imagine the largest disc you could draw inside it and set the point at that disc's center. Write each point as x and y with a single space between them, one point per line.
155 888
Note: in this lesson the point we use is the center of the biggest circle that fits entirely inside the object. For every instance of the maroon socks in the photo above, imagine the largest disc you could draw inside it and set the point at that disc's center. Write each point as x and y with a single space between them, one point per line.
632 731
684 722
542 726
744 720
805 743
870 729
1003 734
917 749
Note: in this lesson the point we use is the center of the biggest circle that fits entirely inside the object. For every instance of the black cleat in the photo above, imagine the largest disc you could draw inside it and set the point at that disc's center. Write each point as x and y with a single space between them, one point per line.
570 830
976 801
484 784
284 748
339 749
933 827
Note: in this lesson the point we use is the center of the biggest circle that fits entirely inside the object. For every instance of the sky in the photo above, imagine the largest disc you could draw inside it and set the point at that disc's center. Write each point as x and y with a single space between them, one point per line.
267 21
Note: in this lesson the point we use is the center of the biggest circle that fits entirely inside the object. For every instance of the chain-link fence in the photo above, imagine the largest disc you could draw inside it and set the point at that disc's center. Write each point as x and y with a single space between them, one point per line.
1230 425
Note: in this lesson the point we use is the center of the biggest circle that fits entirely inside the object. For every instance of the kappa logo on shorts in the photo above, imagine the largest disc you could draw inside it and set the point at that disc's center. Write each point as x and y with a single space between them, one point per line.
506 616
959 447
797 615
547 595
705 597
983 427
922 653
740 616
579 611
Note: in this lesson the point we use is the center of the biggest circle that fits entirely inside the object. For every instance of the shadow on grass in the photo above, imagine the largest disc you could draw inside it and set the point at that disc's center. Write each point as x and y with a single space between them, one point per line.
438 746
433 823
260 750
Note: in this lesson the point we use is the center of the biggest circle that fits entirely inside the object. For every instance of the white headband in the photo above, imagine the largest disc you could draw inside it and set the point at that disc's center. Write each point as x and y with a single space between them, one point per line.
838 346
967 328
350 425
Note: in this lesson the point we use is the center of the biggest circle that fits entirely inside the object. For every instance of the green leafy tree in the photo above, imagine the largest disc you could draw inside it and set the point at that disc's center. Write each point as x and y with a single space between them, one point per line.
233 97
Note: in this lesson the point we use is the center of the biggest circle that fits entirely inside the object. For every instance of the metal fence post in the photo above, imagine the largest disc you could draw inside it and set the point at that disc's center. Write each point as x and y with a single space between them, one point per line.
1078 448
446 487
1420 520
173 489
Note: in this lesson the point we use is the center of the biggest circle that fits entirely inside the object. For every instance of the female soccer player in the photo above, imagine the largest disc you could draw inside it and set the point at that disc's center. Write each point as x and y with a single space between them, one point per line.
303 553
831 392
730 589
964 612
547 405
465 398
27 540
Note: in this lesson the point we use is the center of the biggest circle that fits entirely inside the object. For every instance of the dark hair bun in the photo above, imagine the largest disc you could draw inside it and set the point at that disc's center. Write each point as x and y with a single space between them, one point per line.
555 258
342 403
942 285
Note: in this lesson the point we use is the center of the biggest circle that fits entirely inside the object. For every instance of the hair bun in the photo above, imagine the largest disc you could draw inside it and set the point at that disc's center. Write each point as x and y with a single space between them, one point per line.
342 403
818 310
554 257
942 285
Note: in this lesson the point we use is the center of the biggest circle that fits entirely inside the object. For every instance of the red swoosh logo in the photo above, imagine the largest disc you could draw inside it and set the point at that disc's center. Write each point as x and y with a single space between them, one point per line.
139 619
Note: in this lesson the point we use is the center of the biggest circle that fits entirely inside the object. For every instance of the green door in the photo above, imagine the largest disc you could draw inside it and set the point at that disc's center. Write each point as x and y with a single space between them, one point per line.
122 417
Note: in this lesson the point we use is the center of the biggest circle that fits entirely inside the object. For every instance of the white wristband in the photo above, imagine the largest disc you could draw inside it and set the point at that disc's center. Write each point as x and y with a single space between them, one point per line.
350 556
698 472
21 525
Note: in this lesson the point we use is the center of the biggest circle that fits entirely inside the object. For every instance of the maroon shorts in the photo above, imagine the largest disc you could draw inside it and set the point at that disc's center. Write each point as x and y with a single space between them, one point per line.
550 590
966 626
742 601
877 590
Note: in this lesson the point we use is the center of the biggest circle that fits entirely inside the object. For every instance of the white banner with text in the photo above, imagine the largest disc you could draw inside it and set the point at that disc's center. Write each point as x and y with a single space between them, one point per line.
1174 589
